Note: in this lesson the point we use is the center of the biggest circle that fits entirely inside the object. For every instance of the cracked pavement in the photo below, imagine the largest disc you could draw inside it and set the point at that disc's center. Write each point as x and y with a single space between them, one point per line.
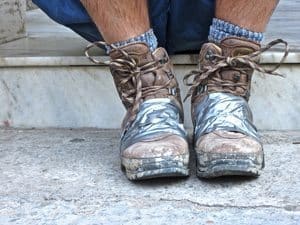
65 176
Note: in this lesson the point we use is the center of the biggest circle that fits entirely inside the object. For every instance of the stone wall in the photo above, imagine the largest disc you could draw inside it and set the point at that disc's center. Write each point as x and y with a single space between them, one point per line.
12 19
30 5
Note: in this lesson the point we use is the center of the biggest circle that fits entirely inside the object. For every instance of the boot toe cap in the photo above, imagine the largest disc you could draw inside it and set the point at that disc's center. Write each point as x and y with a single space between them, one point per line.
164 146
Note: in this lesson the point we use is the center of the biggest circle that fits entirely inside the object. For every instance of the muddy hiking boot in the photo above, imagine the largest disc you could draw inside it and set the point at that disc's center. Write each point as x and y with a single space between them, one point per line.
226 141
154 142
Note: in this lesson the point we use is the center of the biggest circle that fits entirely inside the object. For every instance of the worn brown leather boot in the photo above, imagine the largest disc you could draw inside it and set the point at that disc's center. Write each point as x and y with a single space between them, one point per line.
153 143
225 140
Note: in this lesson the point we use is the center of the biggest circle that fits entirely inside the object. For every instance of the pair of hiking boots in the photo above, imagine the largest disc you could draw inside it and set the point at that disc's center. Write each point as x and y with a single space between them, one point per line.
154 142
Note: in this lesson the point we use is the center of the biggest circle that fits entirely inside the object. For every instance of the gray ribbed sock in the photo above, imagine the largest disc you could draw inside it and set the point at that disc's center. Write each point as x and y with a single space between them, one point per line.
221 29
148 37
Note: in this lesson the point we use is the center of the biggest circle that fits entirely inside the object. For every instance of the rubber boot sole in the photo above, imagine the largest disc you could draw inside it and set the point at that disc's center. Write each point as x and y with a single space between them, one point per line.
217 165
149 168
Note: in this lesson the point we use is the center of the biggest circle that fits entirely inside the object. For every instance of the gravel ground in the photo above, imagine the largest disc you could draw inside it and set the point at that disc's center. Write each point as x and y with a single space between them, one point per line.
63 176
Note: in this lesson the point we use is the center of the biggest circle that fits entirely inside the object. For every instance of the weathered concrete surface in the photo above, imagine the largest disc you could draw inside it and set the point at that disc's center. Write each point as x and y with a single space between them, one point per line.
30 5
73 177
12 19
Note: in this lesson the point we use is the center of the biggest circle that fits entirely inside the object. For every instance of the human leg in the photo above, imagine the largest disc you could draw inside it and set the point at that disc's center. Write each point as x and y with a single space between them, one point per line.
119 20
226 141
253 15
153 143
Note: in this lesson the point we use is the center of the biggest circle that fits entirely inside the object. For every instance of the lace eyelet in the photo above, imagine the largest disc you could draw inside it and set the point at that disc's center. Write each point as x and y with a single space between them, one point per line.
209 55
201 89
163 61
236 77
172 91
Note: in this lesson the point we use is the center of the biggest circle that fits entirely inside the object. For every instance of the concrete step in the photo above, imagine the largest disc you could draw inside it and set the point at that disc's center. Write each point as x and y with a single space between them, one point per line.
63 176
84 96
46 82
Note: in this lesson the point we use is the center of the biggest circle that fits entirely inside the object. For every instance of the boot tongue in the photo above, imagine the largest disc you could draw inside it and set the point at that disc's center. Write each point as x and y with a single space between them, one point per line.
234 46
142 54
138 51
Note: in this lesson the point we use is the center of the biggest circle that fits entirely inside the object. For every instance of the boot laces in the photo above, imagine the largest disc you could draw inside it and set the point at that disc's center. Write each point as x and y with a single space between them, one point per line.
131 73
243 63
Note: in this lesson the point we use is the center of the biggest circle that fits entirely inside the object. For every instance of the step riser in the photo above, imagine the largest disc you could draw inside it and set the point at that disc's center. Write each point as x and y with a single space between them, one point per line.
84 96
